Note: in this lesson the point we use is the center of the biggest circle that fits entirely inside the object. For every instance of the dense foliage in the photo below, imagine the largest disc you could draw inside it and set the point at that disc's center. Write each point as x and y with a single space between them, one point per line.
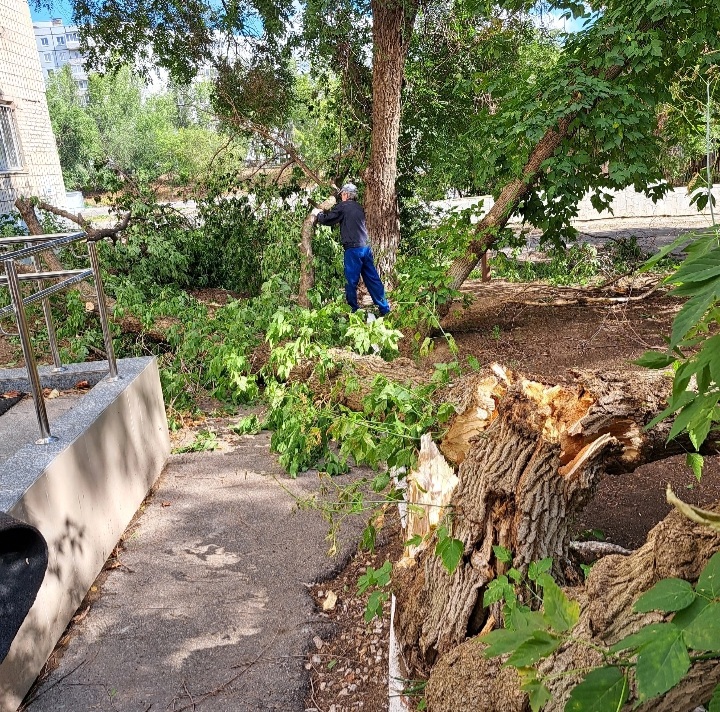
115 127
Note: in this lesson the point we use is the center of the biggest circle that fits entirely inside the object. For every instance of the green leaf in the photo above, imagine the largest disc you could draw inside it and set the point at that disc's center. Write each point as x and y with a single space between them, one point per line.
522 618
560 612
538 694
667 595
603 690
703 633
662 663
450 552
414 541
496 590
655 359
504 641
664 252
699 269
367 541
539 567
715 701
645 635
709 581
502 554
695 461
684 618
538 646
374 605
691 313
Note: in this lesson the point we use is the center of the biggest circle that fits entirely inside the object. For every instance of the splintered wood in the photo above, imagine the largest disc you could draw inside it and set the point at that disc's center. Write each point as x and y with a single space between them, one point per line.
429 490
476 415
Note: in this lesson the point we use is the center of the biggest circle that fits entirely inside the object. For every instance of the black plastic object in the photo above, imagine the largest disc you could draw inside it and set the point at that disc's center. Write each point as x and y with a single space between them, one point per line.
23 561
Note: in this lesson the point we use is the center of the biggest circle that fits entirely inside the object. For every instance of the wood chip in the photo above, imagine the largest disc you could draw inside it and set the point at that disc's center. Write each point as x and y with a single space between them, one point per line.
330 601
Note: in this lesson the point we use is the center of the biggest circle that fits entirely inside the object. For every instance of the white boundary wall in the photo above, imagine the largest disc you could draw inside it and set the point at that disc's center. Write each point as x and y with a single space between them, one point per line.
627 203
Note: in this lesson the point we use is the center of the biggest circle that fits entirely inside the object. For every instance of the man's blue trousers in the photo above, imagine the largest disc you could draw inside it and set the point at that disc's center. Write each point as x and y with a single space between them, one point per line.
359 262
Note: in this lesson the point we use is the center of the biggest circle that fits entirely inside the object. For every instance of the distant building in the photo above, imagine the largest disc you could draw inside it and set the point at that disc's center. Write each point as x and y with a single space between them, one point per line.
29 163
59 45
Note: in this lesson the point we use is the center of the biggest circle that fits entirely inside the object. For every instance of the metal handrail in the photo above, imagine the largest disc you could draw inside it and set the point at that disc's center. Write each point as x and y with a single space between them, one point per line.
28 276
46 245
44 293
21 239
12 280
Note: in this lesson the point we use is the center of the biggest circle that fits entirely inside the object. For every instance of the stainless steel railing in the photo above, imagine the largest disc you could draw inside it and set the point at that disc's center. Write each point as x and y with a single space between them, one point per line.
35 244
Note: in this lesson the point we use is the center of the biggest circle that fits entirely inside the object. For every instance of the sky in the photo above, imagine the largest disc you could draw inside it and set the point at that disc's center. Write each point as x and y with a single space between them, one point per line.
59 8
63 9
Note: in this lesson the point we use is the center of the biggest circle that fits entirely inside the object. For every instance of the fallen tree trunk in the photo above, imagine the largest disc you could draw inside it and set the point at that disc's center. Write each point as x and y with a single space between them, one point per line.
358 371
463 680
533 467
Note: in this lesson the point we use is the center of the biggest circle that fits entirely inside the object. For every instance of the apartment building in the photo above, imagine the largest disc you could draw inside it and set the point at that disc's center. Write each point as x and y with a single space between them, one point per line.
58 45
29 163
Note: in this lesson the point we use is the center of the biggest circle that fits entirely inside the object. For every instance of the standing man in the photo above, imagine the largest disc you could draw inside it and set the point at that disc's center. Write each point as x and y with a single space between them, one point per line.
358 258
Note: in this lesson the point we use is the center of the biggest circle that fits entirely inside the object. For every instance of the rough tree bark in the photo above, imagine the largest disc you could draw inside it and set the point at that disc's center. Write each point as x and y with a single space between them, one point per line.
463 680
393 22
526 472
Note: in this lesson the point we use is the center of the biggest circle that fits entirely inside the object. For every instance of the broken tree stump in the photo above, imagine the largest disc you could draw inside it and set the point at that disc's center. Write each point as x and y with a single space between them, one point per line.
535 465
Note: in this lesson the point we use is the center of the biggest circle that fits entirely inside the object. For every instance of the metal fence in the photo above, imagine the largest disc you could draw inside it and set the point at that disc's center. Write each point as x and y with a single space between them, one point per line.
12 279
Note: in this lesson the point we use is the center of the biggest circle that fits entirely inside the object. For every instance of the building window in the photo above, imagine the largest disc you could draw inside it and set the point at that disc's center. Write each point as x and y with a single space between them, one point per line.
44 41
60 40
48 57
10 157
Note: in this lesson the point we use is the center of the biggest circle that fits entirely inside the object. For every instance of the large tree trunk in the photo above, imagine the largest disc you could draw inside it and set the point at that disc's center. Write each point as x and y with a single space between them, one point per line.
393 22
464 681
537 462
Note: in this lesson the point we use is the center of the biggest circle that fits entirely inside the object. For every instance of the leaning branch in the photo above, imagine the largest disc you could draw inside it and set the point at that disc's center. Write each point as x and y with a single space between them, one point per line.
93 234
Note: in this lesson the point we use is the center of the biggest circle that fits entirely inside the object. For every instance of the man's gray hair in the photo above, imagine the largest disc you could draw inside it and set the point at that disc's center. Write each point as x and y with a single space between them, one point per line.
350 189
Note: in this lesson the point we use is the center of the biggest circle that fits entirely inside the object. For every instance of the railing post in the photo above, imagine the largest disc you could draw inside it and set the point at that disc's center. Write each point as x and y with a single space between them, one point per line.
30 363
102 310
52 339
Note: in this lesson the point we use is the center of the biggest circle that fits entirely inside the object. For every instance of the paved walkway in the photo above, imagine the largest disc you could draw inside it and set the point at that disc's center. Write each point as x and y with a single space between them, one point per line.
209 610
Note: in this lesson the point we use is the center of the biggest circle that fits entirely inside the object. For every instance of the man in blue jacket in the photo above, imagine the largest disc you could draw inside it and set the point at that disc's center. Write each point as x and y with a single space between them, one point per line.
358 258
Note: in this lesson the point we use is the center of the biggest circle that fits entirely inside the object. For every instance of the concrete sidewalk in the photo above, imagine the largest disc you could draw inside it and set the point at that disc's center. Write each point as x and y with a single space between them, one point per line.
209 610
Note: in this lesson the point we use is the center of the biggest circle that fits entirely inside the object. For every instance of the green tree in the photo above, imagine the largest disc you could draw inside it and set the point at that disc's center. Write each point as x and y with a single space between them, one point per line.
76 133
551 139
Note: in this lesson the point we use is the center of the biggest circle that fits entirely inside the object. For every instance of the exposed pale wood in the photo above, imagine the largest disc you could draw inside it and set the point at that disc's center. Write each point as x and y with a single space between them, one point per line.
430 487
475 399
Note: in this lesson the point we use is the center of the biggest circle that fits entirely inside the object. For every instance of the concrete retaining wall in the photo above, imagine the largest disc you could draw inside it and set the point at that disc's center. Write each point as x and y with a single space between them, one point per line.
81 492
